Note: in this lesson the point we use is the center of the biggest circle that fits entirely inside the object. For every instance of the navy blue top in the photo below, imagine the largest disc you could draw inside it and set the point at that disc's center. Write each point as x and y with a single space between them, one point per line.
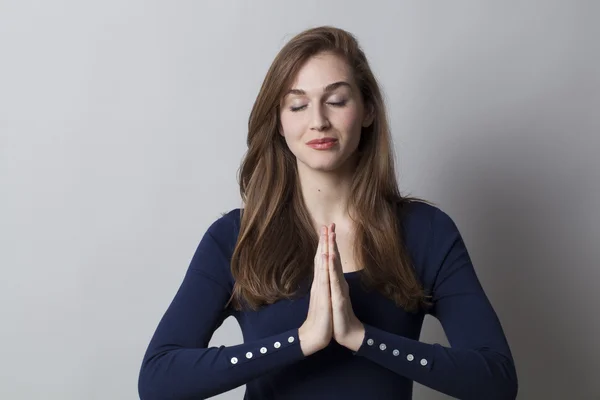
178 363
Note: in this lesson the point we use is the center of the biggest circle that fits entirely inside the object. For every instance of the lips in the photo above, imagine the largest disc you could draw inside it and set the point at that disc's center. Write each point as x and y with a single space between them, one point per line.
322 140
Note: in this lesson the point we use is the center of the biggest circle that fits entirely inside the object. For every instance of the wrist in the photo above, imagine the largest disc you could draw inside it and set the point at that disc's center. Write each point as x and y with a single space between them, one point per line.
307 344
354 340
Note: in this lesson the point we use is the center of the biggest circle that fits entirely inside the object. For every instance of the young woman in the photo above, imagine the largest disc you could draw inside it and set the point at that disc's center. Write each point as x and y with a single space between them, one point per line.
328 269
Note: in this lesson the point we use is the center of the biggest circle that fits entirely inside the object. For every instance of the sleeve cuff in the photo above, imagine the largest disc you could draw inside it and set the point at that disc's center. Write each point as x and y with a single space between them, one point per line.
394 351
272 351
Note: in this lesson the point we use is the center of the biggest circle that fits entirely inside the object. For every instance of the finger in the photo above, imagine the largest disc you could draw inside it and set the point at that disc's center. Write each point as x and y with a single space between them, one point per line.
322 290
322 293
323 274
332 258
323 264
339 270
336 266
336 270
320 243
323 249
334 278
318 262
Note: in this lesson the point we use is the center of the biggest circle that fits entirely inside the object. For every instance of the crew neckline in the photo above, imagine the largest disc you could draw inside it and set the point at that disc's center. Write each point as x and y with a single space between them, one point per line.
353 273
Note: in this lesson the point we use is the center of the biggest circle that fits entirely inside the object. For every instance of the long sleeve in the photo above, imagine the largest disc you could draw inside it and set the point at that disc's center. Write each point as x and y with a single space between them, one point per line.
178 364
479 364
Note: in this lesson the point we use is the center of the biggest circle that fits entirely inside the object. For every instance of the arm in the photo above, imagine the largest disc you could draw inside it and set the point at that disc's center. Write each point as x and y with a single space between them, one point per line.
479 365
179 365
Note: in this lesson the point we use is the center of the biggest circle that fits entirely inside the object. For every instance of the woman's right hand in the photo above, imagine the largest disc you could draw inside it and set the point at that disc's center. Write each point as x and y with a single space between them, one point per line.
317 330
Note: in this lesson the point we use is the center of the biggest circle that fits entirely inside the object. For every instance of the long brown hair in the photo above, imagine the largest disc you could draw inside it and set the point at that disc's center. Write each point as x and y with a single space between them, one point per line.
277 242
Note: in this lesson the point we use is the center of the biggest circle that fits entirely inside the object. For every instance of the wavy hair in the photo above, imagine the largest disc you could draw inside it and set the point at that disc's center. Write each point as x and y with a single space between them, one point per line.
277 242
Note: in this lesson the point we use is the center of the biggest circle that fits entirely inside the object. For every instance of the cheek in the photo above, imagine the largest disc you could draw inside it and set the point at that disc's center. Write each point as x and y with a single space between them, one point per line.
348 120
291 125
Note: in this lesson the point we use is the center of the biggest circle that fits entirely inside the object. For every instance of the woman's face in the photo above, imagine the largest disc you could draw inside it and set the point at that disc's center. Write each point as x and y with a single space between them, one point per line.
323 102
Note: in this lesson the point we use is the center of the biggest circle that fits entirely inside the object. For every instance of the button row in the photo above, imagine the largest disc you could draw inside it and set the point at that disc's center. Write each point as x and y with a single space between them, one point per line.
263 350
396 352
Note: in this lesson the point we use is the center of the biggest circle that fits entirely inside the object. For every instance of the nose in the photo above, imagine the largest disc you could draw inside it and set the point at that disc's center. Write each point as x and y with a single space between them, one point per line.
319 121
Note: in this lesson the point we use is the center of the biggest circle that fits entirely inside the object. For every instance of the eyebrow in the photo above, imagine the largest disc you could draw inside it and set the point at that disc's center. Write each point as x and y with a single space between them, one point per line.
329 88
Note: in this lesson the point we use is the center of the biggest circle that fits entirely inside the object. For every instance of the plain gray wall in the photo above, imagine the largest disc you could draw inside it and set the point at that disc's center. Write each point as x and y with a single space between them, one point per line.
123 124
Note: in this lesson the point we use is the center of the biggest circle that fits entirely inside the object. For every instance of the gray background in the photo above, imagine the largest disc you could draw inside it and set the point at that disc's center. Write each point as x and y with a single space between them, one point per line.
123 124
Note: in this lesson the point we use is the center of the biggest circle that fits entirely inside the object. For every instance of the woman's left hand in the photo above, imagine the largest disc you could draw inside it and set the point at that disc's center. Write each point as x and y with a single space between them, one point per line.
347 328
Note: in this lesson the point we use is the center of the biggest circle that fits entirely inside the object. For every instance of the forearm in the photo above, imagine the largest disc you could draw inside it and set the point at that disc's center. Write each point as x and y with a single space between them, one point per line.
184 373
462 373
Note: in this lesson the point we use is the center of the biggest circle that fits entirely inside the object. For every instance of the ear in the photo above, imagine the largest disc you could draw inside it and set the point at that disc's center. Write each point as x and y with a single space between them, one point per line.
369 116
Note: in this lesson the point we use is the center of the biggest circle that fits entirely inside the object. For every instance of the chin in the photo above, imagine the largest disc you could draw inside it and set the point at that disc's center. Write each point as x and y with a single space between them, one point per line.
330 165
325 162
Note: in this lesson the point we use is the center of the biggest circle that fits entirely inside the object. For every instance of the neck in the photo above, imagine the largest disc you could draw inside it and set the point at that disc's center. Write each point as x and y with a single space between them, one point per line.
326 194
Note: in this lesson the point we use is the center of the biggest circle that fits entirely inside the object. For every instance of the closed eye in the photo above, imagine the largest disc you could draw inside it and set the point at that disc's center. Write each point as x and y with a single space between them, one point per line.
335 104
294 109
339 103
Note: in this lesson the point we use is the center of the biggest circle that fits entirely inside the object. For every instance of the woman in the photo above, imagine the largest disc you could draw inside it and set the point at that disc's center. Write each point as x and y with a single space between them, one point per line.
328 269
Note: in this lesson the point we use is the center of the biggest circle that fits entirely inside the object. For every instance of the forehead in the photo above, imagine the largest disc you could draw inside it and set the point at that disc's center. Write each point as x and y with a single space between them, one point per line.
321 70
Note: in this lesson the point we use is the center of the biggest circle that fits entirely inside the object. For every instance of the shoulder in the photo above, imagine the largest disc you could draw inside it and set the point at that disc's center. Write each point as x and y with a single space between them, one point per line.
213 254
424 218
225 229
227 220
417 217
429 233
